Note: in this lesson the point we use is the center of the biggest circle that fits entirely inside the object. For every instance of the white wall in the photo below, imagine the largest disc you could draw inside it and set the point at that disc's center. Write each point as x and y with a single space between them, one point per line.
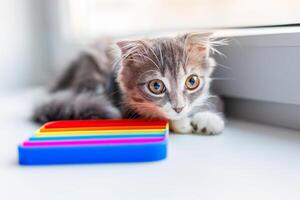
23 44
264 68
263 83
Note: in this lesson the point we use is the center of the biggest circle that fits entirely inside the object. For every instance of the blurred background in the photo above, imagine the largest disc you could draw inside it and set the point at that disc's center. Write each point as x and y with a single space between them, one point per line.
38 37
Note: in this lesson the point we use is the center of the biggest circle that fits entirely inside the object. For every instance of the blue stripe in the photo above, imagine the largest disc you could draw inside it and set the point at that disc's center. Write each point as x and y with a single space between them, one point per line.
94 137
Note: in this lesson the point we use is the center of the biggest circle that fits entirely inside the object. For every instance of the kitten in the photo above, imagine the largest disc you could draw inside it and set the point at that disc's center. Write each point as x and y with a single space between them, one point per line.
166 78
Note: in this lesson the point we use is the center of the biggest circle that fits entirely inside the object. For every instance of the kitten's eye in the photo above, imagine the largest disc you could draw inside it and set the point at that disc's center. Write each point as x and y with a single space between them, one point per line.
192 82
156 86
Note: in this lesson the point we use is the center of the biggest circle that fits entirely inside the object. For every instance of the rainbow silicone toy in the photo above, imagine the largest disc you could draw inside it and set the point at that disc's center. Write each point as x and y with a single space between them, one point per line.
96 141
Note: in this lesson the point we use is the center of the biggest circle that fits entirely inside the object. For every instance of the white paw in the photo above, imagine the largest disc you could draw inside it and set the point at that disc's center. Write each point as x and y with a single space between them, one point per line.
207 123
181 126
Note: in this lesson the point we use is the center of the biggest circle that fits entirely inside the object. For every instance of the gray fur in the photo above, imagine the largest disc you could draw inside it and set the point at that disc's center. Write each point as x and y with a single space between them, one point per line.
94 88
67 105
170 59
86 90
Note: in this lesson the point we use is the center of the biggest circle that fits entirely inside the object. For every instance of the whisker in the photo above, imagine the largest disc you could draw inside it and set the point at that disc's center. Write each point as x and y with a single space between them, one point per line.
161 56
219 42
154 53
186 59
144 56
224 66
215 51
225 79
215 42
136 50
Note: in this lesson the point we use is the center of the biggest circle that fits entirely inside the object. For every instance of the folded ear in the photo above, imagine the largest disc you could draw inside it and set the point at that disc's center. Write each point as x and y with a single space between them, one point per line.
128 50
125 45
132 50
197 42
198 37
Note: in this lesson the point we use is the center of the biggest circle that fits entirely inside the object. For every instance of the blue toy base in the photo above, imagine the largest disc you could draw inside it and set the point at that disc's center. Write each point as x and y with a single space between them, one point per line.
92 154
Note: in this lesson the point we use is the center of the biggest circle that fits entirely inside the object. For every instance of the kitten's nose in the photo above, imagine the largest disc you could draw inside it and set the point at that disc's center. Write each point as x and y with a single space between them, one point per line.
178 109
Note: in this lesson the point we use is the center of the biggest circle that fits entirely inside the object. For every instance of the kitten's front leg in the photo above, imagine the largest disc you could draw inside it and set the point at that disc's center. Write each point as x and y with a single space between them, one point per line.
182 125
207 123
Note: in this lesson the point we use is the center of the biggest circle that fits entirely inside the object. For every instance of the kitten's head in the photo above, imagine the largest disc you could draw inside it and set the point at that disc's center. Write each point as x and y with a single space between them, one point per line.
165 77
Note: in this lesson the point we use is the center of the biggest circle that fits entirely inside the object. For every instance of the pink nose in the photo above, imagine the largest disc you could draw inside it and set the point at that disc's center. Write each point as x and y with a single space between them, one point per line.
178 109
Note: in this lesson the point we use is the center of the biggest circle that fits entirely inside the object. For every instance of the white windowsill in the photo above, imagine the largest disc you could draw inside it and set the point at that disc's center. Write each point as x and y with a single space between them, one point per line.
247 161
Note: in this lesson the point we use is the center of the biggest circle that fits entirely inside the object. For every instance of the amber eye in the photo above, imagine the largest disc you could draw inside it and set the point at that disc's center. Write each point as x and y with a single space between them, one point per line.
156 86
192 82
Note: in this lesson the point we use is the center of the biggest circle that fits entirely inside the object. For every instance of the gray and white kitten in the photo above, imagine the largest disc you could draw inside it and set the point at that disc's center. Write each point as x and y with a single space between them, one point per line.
165 78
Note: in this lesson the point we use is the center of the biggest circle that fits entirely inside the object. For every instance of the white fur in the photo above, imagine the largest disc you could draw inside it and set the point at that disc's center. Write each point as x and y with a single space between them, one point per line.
207 123
181 126
171 114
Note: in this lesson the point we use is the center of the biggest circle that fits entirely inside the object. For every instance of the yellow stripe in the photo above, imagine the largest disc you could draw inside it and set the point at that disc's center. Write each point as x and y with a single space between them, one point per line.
100 132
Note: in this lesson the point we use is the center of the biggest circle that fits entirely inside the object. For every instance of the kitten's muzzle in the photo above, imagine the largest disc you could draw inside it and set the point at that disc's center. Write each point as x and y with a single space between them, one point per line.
178 109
